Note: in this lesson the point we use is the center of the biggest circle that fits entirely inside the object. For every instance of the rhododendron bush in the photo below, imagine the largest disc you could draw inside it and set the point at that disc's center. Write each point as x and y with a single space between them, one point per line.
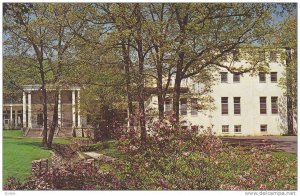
177 159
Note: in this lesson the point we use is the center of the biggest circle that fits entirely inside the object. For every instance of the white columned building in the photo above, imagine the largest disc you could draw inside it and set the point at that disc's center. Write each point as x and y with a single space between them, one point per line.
24 109
67 109
59 110
78 109
73 109
11 116
29 110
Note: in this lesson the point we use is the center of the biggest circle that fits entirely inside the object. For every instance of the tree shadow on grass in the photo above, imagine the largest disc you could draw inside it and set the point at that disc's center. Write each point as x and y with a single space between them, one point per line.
32 143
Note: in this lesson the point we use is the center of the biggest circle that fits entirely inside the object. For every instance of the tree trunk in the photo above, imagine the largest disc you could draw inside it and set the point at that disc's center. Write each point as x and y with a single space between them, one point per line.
54 122
45 116
141 87
125 53
160 95
176 97
290 113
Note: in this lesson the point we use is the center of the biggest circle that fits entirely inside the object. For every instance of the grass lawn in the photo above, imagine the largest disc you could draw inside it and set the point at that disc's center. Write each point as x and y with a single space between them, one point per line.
19 151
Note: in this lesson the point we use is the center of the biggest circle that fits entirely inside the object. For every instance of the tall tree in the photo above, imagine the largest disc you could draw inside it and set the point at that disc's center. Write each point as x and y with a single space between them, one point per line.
38 34
25 32
206 36
286 37
161 17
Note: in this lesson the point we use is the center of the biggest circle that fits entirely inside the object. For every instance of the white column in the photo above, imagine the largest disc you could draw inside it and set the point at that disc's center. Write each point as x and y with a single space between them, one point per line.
24 109
73 109
16 118
59 109
29 110
11 117
78 109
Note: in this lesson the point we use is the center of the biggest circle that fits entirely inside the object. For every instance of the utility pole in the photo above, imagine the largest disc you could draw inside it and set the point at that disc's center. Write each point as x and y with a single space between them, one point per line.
290 114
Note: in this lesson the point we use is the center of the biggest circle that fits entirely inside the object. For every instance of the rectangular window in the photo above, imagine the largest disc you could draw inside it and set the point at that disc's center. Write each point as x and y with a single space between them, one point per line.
183 106
262 77
236 77
273 56
263 128
224 102
274 105
237 128
263 105
168 105
273 76
224 77
225 128
237 105
194 105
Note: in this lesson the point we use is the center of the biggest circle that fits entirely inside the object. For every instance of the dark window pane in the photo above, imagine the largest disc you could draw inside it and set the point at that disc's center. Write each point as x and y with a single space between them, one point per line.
262 77
263 128
263 105
236 77
183 106
168 105
225 128
224 103
274 105
237 105
224 77
273 76
237 128
194 105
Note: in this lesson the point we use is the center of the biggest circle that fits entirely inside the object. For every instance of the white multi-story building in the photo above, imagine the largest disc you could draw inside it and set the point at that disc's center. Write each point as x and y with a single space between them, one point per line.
244 104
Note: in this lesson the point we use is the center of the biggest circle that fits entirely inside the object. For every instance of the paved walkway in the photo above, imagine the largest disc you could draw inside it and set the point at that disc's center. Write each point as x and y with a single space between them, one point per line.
282 143
100 157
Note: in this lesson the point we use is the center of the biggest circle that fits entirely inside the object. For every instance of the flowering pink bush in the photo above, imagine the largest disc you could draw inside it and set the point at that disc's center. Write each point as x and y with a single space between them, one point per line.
175 159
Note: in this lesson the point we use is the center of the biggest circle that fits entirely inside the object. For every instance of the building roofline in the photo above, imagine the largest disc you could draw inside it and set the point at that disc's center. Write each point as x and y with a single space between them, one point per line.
35 87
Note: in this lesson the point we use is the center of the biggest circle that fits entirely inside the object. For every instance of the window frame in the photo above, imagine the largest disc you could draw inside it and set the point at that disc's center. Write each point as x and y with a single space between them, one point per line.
223 128
237 105
263 126
260 74
274 106
238 77
237 127
194 103
183 110
263 104
272 77
168 106
223 73
224 106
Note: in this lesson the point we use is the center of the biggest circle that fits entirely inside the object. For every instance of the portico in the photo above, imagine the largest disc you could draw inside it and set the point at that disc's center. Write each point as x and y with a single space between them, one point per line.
68 107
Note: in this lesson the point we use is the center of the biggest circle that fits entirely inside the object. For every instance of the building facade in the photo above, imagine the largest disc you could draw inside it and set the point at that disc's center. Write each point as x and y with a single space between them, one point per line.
68 107
27 111
245 104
